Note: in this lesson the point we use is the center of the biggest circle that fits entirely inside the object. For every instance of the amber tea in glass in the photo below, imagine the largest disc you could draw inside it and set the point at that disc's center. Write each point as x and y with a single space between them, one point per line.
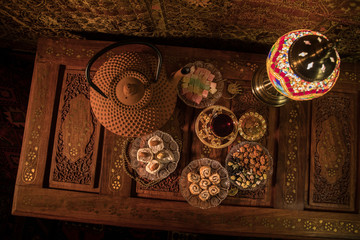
222 125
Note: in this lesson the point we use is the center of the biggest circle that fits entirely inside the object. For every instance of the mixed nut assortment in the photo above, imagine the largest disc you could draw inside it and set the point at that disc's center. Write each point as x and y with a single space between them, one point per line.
248 165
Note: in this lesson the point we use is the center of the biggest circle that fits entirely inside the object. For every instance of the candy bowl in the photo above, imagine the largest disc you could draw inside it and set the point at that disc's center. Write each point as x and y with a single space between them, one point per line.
249 165
202 86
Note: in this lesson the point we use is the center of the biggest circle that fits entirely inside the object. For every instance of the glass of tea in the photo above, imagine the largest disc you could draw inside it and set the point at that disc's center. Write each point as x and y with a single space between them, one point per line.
222 125
216 126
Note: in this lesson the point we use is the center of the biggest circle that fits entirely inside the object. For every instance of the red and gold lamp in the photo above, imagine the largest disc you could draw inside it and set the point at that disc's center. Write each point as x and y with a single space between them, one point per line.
301 65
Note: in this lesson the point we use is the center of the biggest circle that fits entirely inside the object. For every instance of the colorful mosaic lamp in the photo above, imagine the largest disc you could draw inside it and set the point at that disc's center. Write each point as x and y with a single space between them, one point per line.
301 65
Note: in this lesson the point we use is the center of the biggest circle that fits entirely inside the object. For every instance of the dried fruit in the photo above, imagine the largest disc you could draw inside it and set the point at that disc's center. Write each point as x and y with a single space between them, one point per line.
248 165
262 160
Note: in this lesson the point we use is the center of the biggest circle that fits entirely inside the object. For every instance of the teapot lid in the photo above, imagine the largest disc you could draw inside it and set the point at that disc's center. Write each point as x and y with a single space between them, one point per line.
130 90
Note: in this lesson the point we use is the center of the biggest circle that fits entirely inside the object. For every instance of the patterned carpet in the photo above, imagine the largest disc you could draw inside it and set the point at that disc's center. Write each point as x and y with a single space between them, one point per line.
259 22
15 79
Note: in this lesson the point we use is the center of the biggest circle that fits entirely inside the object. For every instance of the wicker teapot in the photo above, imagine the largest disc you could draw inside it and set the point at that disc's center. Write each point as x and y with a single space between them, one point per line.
130 94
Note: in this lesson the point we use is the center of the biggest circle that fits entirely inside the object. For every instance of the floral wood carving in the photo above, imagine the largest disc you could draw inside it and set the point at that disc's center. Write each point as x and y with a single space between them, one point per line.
332 157
75 142
291 169
29 172
117 161
169 184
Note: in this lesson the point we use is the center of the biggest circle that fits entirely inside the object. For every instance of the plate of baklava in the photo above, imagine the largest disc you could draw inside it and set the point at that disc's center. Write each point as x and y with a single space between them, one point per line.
154 156
204 183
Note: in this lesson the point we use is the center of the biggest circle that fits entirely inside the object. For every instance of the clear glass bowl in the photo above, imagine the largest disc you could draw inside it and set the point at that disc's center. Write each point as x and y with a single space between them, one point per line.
252 126
167 168
211 98
194 167
245 167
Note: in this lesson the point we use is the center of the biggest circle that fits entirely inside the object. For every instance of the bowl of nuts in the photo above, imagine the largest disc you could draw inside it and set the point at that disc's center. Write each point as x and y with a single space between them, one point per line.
249 165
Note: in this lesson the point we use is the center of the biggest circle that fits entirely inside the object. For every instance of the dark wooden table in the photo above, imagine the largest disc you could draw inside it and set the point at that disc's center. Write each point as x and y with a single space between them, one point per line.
71 168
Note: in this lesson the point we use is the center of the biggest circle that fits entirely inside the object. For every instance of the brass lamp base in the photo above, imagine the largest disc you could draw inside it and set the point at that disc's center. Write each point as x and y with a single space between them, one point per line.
264 91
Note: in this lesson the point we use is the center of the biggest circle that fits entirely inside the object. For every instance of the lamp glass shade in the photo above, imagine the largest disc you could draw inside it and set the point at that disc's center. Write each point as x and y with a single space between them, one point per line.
285 79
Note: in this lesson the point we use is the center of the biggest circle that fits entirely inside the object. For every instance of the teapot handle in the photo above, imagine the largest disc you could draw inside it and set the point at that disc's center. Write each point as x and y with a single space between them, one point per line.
114 45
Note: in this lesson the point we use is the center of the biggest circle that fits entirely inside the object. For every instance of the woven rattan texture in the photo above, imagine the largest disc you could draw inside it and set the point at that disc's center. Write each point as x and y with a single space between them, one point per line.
150 113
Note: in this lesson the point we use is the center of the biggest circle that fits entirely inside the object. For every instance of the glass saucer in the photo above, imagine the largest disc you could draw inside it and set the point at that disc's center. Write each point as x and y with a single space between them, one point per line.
211 98
206 132
252 126
167 167
223 184
249 165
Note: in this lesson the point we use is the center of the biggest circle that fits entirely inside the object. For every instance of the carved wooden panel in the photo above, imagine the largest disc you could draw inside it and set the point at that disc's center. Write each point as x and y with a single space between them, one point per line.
76 139
40 111
113 180
141 212
333 152
293 150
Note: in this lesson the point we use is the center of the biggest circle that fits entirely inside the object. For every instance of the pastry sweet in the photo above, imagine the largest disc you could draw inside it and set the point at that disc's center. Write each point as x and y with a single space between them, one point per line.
215 178
205 171
204 183
194 189
144 155
204 195
153 166
164 156
156 144
210 195
213 190
193 177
